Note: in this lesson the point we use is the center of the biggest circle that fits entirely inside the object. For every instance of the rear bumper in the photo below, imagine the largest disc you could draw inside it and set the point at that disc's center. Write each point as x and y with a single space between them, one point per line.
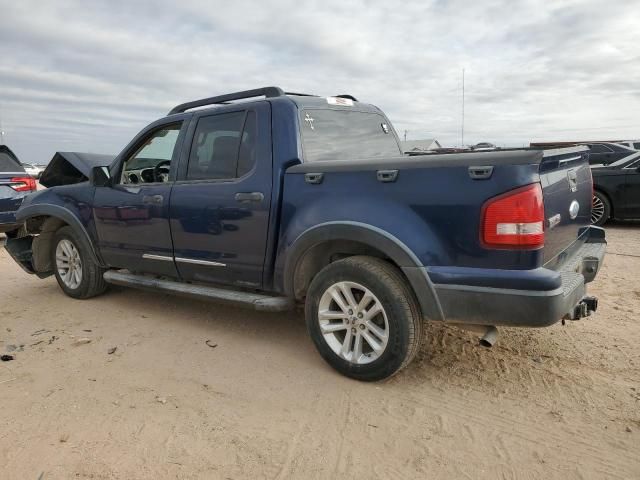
541 297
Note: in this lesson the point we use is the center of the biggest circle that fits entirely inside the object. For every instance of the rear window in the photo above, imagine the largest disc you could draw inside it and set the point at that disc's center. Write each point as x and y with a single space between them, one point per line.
346 135
8 164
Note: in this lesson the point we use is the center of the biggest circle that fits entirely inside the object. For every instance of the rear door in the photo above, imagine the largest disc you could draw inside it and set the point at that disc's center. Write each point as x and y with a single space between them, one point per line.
220 204
132 215
567 191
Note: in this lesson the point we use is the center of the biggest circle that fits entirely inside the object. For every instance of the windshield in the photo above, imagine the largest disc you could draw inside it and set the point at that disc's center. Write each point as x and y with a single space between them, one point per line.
329 134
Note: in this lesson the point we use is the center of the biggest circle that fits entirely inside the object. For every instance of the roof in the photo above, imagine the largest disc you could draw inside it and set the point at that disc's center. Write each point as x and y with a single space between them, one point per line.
302 100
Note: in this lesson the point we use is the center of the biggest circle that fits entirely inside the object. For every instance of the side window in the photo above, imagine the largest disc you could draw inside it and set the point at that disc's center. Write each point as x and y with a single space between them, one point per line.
597 148
151 161
636 145
223 146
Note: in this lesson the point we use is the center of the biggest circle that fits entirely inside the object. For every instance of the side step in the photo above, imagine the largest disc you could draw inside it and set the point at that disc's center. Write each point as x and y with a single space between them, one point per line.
255 301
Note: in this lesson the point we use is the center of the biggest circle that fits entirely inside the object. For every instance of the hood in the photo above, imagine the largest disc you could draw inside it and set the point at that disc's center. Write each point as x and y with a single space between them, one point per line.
72 167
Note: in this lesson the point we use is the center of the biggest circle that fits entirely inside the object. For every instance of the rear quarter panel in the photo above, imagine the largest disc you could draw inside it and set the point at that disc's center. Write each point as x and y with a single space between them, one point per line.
434 211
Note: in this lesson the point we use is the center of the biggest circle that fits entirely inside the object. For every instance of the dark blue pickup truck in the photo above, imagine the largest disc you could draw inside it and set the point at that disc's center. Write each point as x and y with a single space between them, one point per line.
269 200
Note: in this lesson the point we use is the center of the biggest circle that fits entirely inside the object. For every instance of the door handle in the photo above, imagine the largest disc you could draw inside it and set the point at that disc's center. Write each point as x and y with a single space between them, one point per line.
247 197
152 199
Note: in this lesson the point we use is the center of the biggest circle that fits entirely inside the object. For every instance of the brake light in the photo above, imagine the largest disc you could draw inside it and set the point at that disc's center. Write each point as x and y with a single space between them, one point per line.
514 219
23 184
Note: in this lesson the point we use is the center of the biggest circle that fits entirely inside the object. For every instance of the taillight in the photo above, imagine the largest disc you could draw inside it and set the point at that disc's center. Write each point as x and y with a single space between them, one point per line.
514 219
23 184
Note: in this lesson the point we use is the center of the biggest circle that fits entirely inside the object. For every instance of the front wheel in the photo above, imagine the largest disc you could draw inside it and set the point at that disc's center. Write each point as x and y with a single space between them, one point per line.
363 318
76 272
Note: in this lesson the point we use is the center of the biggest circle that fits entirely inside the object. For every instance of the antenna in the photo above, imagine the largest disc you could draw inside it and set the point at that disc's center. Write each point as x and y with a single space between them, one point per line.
462 127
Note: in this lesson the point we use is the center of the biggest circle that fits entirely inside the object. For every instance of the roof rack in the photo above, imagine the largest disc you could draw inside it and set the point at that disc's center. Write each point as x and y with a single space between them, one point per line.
300 94
268 92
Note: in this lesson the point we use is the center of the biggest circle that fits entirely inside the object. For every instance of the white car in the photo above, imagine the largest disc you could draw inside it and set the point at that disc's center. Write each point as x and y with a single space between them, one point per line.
34 170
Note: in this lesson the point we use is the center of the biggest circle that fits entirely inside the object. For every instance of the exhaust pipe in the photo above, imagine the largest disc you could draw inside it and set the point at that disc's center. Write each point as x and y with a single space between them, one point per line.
490 337
488 333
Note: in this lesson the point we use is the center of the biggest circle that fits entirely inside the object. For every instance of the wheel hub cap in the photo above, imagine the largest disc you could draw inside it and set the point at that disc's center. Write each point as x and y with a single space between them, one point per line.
68 264
597 210
353 322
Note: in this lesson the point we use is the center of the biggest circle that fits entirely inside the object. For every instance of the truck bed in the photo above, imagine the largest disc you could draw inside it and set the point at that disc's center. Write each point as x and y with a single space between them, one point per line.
434 205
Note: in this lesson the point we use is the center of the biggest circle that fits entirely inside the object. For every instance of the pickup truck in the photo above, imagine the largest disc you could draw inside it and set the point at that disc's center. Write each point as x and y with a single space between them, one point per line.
271 200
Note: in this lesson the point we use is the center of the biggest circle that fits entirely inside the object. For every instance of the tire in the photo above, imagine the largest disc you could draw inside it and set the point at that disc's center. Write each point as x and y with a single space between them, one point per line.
399 320
601 209
89 282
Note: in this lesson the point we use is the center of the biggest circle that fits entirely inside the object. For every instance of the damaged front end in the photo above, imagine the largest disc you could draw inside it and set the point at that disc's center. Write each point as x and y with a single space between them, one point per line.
67 168
21 251
42 213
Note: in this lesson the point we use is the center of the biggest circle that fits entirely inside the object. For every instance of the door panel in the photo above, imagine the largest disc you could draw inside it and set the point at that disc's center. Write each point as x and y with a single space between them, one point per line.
132 216
133 224
219 225
632 192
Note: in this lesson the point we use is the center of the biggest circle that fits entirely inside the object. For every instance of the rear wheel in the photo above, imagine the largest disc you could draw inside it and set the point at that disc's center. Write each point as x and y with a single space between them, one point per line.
363 318
76 272
601 209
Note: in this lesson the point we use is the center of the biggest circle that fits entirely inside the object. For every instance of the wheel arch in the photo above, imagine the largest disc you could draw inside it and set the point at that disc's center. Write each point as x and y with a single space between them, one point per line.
45 220
321 245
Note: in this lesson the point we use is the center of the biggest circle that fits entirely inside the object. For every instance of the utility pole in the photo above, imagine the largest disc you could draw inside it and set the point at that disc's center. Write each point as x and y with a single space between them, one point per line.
462 127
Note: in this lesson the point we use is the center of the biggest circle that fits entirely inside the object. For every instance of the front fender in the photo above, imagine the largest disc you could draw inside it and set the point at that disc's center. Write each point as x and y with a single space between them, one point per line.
65 215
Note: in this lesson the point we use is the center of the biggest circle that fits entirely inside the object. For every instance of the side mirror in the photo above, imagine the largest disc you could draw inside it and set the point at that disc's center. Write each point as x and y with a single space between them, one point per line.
100 177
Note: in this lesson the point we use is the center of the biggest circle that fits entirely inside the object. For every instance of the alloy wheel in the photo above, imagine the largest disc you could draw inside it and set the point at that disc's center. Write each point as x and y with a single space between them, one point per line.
353 322
69 264
597 210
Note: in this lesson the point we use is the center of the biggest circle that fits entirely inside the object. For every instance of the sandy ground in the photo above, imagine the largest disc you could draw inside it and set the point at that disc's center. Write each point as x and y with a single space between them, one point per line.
561 402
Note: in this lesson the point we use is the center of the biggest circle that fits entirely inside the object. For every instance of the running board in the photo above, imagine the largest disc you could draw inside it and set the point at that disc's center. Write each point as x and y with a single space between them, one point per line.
255 301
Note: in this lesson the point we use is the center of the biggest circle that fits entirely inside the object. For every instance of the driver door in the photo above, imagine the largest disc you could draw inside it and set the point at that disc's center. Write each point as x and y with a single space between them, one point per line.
132 215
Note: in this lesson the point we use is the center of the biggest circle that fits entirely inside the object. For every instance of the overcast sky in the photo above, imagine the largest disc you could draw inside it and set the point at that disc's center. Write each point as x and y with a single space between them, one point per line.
85 76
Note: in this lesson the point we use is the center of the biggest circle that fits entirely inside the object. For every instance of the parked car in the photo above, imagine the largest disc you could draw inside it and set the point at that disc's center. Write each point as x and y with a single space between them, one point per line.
34 170
268 200
635 144
616 191
483 146
606 153
15 184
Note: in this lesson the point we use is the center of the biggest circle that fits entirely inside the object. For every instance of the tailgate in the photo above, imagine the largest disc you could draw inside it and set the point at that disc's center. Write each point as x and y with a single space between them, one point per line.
567 189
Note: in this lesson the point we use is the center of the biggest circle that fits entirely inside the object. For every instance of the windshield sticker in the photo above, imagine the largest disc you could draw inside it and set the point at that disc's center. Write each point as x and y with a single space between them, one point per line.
385 127
309 119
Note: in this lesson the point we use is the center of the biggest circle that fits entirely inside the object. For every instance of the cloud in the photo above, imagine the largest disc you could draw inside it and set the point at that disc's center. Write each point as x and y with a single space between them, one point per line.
89 75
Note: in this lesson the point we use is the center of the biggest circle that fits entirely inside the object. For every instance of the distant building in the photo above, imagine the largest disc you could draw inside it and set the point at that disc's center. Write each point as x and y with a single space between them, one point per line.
420 145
